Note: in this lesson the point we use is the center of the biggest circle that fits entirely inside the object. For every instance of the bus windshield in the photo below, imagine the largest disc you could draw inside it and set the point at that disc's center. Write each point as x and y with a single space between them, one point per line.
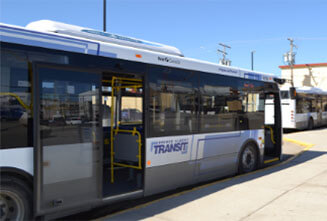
285 94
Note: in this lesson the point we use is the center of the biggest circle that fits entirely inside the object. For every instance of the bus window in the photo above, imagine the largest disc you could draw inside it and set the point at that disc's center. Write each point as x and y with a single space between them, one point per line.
173 102
131 110
285 94
303 105
106 105
324 103
220 104
15 100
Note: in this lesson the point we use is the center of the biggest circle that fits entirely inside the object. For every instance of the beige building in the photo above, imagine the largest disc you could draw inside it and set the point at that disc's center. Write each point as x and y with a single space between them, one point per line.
311 75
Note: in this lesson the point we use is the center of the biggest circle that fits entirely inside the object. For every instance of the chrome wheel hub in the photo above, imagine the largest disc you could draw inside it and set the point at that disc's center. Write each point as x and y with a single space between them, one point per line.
248 158
11 206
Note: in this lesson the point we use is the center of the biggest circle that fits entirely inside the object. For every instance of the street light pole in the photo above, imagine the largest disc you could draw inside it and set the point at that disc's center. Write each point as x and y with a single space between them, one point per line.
252 52
104 15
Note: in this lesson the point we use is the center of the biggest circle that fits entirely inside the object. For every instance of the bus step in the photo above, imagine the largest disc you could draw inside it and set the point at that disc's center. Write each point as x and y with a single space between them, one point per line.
270 160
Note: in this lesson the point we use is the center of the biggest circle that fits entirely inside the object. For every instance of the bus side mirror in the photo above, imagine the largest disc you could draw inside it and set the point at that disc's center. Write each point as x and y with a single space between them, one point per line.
279 80
292 93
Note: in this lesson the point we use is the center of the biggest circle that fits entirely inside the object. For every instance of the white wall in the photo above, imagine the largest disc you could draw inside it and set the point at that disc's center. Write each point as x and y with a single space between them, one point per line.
317 77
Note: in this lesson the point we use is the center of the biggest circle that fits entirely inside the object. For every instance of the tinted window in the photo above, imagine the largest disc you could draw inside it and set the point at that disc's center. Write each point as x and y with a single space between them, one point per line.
220 103
229 104
285 94
172 102
253 104
319 103
15 100
303 104
15 93
324 103
69 109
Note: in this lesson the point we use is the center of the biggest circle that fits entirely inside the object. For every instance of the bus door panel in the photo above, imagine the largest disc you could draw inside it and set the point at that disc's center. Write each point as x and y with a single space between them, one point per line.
273 127
67 138
269 110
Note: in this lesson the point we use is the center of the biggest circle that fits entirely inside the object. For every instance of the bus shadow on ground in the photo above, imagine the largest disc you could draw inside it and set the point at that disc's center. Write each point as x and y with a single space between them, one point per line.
290 131
190 194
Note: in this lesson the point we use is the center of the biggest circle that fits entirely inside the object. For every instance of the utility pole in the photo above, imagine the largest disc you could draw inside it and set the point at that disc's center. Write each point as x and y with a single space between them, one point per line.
224 61
289 57
252 52
104 15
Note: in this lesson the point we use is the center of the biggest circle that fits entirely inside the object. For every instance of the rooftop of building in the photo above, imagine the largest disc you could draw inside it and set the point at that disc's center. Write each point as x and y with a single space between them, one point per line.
303 65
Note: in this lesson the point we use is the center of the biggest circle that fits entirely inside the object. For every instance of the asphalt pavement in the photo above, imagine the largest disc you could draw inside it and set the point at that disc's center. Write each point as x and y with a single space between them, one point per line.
295 189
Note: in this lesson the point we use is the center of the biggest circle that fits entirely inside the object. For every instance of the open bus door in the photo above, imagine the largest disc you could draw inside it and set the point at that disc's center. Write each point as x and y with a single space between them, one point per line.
123 129
67 157
273 127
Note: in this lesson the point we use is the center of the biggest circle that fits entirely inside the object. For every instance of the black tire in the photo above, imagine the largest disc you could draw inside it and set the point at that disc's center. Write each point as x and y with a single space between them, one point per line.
248 159
15 199
310 124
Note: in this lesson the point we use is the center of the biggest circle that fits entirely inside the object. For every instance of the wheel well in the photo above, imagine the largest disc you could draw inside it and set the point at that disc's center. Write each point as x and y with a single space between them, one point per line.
254 143
311 120
17 173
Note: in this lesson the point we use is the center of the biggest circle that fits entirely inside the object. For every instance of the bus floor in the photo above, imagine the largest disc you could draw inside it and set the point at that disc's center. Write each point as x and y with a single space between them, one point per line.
125 180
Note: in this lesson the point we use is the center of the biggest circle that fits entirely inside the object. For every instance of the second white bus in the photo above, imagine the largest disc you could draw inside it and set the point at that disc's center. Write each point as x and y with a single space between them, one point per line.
303 107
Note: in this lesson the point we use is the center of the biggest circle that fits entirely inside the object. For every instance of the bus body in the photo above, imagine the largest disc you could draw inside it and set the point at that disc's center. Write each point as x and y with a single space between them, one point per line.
149 119
303 107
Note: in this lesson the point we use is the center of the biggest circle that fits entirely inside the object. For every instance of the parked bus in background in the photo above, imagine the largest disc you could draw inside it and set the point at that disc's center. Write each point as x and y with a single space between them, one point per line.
90 118
303 107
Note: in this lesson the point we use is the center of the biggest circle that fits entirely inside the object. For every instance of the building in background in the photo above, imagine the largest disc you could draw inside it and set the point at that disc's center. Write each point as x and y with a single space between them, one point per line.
311 75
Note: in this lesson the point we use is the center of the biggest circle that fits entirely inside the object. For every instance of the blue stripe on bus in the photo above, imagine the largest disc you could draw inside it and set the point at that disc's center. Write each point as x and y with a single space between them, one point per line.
51 45
222 136
44 44
107 54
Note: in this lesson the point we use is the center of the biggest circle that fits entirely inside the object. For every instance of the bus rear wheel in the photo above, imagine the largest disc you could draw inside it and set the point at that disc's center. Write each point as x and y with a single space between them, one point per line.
248 159
15 200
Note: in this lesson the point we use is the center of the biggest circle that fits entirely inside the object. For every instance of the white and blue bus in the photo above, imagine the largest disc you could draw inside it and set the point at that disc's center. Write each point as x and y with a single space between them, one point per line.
303 107
90 118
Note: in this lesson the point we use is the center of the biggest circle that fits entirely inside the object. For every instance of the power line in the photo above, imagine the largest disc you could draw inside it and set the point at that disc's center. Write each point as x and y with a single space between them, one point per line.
289 57
223 60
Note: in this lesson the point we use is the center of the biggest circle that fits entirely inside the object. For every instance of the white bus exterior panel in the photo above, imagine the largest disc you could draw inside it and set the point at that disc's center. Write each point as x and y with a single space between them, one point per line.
20 158
127 53
175 149
156 58
288 114
67 162
269 112
302 120
205 156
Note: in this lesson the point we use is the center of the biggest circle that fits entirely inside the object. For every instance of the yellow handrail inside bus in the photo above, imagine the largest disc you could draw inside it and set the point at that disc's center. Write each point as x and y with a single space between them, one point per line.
117 83
21 102
139 141
271 134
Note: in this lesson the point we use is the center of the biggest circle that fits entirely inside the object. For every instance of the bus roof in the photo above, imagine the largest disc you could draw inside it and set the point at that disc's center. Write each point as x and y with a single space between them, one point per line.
77 31
305 89
60 36
310 90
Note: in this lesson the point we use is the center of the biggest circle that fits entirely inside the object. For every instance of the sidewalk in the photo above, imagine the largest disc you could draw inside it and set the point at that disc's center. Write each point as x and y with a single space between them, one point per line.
296 190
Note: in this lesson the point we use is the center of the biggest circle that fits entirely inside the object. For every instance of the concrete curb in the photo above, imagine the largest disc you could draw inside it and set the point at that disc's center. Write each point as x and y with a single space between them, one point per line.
303 144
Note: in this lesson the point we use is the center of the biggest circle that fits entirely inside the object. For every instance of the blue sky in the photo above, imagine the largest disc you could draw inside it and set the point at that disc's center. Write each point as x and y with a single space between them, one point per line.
197 26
